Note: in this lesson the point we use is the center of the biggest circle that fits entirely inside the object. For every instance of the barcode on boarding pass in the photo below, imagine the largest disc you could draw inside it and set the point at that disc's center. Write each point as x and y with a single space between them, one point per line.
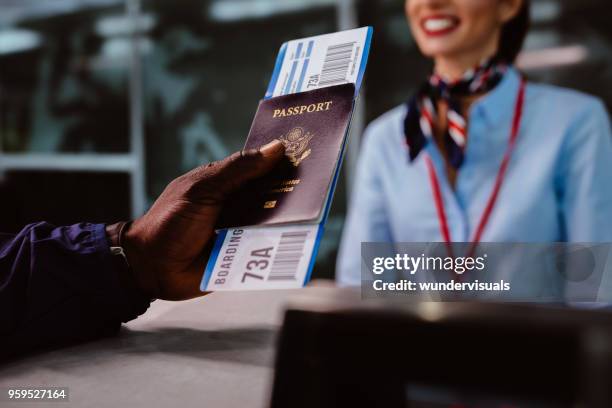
338 59
288 256
321 61
262 258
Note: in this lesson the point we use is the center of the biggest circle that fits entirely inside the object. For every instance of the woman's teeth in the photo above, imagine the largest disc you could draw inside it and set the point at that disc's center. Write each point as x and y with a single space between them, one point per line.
438 24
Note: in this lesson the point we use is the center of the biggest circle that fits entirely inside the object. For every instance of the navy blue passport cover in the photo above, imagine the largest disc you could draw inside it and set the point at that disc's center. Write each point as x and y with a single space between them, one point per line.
312 125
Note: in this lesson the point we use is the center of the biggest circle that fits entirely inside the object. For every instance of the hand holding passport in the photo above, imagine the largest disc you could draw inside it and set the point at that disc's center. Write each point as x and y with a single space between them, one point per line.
270 230
312 126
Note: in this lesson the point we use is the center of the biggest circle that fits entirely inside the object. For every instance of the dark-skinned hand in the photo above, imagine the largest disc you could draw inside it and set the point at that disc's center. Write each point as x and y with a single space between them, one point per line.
167 248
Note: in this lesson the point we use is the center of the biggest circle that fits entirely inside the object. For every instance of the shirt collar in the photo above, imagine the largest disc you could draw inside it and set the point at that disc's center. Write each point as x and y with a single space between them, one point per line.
499 103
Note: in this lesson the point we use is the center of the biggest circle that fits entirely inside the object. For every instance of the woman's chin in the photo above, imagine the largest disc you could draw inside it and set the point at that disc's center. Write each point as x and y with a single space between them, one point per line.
444 51
443 46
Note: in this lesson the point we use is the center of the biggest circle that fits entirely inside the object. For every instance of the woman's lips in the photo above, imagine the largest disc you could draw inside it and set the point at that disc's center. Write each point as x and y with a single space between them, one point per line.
439 25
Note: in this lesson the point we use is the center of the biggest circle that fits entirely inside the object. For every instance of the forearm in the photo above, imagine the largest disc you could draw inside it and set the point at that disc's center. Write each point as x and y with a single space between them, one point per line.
61 285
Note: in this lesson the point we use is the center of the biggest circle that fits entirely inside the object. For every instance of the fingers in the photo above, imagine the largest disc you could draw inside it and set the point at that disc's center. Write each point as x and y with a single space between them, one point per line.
229 174
251 164
274 150
256 162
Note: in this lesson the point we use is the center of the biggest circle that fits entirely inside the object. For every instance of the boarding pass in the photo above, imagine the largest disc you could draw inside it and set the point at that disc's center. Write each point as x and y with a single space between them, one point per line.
321 61
282 257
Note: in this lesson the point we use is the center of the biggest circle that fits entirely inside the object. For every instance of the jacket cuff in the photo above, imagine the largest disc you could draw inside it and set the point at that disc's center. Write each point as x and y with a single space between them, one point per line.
128 302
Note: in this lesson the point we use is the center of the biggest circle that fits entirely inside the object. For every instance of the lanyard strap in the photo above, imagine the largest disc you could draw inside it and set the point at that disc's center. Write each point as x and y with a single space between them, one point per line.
437 192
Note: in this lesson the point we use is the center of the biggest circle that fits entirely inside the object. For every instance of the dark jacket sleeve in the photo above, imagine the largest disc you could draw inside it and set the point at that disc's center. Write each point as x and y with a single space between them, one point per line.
60 285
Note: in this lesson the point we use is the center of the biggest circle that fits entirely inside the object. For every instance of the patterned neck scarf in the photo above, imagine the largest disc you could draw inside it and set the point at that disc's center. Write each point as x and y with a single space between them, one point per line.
422 111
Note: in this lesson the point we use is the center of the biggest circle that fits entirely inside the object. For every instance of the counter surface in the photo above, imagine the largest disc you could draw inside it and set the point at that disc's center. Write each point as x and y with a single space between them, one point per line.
216 351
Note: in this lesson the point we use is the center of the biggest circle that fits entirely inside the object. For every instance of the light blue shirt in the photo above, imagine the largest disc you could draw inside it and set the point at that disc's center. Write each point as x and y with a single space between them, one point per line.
558 186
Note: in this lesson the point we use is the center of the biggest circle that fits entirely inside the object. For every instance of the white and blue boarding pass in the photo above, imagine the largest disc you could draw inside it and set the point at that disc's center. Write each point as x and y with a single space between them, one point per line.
282 257
321 61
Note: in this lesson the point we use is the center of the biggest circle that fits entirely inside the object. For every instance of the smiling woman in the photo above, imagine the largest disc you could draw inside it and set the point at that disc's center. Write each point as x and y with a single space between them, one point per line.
460 37
478 154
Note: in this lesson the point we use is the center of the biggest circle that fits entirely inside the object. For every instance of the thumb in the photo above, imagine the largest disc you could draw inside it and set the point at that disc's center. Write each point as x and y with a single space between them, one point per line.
232 172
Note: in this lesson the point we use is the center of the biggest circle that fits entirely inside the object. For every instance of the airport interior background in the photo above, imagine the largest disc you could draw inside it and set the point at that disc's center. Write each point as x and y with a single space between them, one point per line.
103 102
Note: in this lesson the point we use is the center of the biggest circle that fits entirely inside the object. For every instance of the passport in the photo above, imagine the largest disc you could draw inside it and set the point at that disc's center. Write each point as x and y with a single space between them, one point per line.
282 217
313 127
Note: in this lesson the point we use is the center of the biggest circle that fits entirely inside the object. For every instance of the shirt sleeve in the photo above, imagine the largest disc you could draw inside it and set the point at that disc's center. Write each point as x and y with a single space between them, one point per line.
584 177
367 218
59 285
586 195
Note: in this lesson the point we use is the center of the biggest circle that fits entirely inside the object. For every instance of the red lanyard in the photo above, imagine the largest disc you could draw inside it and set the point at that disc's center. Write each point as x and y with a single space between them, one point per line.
437 192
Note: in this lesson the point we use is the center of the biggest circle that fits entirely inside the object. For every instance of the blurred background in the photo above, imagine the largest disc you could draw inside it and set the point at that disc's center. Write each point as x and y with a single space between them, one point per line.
103 102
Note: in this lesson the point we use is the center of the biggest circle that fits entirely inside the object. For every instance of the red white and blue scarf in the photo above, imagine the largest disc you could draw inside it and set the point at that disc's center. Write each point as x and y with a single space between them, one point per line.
422 111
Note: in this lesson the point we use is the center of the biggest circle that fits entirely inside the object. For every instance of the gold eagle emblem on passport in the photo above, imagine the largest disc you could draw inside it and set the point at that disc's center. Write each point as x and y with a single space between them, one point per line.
296 145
